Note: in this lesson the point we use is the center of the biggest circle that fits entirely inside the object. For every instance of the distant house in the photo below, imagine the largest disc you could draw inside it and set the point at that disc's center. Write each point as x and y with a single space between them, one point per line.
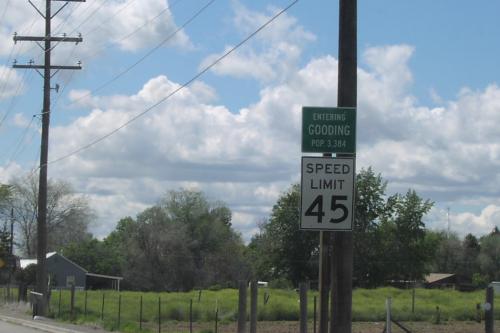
446 280
63 273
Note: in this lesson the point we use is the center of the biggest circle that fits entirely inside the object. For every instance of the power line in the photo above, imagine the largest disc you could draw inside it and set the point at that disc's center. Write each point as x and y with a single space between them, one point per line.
122 8
102 48
34 167
8 72
17 149
13 98
175 91
163 11
4 10
150 52
74 29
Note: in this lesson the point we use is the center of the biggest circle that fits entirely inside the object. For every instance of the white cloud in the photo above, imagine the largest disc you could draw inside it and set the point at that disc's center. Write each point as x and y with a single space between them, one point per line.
10 171
486 220
272 55
11 83
20 120
247 157
130 25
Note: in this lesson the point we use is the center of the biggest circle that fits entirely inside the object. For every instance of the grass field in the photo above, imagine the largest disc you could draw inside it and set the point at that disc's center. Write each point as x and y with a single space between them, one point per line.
172 310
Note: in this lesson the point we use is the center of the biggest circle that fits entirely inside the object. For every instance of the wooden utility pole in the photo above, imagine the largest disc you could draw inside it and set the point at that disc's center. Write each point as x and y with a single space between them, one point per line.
342 257
41 270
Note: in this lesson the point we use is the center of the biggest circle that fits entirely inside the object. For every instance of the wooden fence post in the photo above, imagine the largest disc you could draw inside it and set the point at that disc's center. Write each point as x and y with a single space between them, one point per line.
85 305
242 306
488 311
303 307
315 318
140 314
102 308
72 302
413 299
190 316
59 305
253 306
216 316
159 314
388 315
119 309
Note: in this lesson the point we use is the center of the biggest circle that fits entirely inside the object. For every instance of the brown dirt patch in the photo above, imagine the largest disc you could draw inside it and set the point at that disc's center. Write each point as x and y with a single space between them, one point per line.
357 327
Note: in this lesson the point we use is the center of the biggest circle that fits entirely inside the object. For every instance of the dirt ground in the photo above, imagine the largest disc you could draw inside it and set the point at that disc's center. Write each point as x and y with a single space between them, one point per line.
290 327
357 327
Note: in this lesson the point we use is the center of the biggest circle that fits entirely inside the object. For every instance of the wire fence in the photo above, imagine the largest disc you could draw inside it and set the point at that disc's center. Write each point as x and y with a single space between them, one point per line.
204 311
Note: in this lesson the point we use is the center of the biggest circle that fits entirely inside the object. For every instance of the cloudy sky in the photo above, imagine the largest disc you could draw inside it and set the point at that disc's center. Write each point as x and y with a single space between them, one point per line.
428 101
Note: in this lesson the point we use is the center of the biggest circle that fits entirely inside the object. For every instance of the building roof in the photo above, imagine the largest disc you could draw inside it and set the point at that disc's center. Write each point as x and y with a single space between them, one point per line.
26 262
435 277
111 277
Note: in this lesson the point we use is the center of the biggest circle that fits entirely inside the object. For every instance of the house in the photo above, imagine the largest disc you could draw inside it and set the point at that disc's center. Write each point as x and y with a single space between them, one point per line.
445 280
63 273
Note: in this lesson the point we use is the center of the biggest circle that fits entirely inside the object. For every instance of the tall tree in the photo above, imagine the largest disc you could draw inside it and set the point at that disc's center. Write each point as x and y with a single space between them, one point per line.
408 248
471 250
489 255
370 206
68 214
182 242
285 251
6 259
449 254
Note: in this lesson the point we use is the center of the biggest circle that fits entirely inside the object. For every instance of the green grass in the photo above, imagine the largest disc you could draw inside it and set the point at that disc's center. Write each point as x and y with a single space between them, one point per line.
368 305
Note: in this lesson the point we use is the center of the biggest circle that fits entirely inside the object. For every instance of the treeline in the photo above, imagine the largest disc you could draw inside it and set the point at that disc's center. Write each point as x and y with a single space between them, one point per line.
181 243
186 241
391 242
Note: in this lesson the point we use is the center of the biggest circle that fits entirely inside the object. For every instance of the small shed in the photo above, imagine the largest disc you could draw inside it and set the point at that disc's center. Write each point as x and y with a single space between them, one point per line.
447 280
64 273
440 280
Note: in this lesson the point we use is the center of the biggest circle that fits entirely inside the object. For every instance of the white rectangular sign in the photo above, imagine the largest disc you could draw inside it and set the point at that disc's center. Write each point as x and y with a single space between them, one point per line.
327 193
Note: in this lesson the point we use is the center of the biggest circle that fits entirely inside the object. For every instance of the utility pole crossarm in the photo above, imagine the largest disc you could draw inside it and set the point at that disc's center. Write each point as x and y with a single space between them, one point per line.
58 67
52 39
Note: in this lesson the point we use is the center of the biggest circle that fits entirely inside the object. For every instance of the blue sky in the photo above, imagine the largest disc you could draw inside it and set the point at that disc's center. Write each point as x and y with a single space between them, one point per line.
428 101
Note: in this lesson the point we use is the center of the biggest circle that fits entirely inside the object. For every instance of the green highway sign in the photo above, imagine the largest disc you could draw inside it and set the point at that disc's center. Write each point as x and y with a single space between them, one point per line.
328 130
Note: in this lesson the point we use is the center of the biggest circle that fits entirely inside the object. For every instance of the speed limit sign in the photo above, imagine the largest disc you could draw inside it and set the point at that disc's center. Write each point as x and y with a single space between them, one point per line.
327 193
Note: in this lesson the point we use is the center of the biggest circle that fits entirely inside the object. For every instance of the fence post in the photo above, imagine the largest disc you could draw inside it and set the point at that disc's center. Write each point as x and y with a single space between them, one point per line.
119 309
102 308
388 315
140 314
314 315
216 316
413 299
59 305
253 306
85 305
159 314
438 315
478 312
488 311
242 306
190 316
303 307
72 302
